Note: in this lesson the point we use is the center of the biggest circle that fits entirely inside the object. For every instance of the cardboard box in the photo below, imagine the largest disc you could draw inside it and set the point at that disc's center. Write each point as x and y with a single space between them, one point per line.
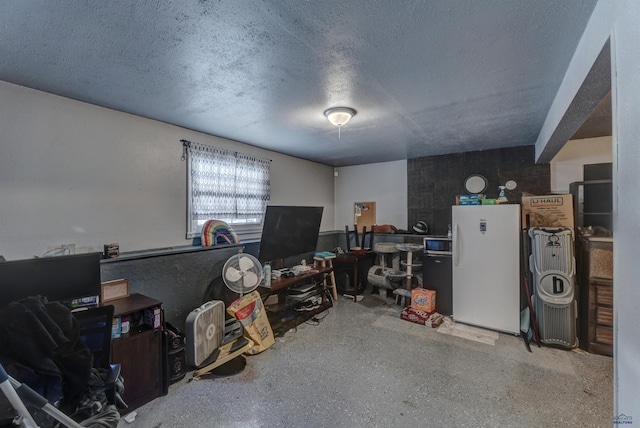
116 328
423 299
152 317
417 316
469 199
547 210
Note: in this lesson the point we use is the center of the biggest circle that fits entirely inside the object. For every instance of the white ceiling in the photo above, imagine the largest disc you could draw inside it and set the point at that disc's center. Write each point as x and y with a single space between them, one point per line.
426 77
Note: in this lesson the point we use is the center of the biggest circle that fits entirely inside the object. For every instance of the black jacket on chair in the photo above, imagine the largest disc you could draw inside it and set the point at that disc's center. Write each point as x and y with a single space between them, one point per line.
41 347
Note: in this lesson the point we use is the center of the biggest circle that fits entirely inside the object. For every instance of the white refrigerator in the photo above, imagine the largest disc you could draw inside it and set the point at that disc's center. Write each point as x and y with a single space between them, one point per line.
486 266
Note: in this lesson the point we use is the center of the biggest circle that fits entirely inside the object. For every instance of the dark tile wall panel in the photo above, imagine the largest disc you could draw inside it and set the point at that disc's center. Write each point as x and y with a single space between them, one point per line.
435 181
185 280
180 280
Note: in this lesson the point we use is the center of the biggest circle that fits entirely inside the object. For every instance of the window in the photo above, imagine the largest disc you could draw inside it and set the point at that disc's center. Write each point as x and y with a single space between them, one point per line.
224 185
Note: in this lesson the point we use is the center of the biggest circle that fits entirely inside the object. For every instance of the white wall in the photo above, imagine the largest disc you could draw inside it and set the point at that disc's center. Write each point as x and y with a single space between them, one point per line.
617 20
567 165
386 183
383 183
72 172
626 207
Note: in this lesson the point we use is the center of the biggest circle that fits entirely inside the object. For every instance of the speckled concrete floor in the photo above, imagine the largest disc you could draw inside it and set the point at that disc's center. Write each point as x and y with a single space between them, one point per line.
362 366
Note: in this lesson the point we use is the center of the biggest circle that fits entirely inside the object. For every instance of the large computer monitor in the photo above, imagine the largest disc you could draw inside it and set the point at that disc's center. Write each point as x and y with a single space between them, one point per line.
60 278
289 231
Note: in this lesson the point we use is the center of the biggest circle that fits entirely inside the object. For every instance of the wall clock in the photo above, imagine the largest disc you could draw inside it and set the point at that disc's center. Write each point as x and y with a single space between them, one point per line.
475 183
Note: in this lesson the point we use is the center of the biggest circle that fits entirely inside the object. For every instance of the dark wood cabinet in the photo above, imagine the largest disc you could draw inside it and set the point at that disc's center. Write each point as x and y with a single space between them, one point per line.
595 279
139 352
437 275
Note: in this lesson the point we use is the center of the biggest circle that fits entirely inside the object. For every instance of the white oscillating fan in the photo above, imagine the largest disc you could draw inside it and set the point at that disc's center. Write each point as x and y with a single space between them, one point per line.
242 273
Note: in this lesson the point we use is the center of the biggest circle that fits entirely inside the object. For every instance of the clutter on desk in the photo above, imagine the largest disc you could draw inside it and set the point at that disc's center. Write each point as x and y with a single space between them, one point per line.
267 275
302 292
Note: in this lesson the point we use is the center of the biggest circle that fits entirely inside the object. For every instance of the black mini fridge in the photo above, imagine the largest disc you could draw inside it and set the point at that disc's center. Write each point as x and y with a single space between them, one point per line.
436 275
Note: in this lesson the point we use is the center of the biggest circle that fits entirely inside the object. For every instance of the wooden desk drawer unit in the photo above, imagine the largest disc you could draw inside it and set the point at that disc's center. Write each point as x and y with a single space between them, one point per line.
139 352
604 315
604 335
601 326
604 292
595 281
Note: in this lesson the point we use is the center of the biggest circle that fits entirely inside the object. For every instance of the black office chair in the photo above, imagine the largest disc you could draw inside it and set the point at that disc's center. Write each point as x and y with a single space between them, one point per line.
95 332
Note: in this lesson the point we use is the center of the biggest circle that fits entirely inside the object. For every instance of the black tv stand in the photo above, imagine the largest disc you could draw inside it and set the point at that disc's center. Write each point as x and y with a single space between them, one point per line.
279 324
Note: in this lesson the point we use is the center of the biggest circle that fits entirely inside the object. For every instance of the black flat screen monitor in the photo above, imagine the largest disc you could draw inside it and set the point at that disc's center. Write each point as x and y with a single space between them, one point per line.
59 278
289 231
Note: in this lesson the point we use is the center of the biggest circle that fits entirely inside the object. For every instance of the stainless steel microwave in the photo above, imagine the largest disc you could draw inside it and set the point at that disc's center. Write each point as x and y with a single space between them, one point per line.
437 245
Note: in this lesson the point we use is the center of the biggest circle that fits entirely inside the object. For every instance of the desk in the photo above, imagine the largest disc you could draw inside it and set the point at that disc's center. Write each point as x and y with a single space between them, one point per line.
279 324
283 283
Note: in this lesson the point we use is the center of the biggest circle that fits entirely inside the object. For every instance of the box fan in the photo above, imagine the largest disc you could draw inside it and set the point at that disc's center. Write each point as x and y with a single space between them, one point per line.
204 331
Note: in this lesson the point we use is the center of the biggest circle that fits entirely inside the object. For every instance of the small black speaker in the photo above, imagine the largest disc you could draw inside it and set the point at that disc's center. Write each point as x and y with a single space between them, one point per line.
177 365
175 339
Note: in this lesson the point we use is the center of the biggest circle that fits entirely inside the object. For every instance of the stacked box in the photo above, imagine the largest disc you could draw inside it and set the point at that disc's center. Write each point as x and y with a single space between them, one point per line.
152 317
428 319
469 199
423 299
116 328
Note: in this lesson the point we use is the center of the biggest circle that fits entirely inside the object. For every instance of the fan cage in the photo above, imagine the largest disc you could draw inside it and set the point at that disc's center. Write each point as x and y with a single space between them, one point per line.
248 271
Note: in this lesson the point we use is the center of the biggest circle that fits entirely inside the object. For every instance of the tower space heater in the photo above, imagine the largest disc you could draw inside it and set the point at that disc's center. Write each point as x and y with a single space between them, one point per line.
553 266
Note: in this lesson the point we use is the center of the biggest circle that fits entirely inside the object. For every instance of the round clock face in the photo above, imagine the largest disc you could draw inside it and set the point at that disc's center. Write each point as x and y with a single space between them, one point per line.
475 183
510 185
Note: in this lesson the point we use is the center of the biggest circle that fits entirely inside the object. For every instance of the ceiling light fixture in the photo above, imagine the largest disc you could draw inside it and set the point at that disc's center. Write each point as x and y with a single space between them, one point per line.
339 116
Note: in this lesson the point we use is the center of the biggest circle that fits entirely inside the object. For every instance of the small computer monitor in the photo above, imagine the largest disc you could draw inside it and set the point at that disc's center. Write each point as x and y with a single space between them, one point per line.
59 278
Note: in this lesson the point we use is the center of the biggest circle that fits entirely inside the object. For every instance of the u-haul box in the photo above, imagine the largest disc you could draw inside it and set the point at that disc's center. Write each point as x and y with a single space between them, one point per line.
547 210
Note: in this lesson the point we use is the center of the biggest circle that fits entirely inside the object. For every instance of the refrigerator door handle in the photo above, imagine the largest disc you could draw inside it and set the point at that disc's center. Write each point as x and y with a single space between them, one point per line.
456 246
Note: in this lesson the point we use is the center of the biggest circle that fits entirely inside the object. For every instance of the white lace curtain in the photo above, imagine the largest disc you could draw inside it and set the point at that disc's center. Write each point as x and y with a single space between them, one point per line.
226 185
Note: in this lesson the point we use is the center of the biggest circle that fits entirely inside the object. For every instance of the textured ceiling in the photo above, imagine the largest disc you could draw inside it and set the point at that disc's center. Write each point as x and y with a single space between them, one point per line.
426 77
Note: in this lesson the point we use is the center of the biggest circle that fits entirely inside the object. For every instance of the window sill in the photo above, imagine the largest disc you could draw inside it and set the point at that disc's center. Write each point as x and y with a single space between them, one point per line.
144 254
240 230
